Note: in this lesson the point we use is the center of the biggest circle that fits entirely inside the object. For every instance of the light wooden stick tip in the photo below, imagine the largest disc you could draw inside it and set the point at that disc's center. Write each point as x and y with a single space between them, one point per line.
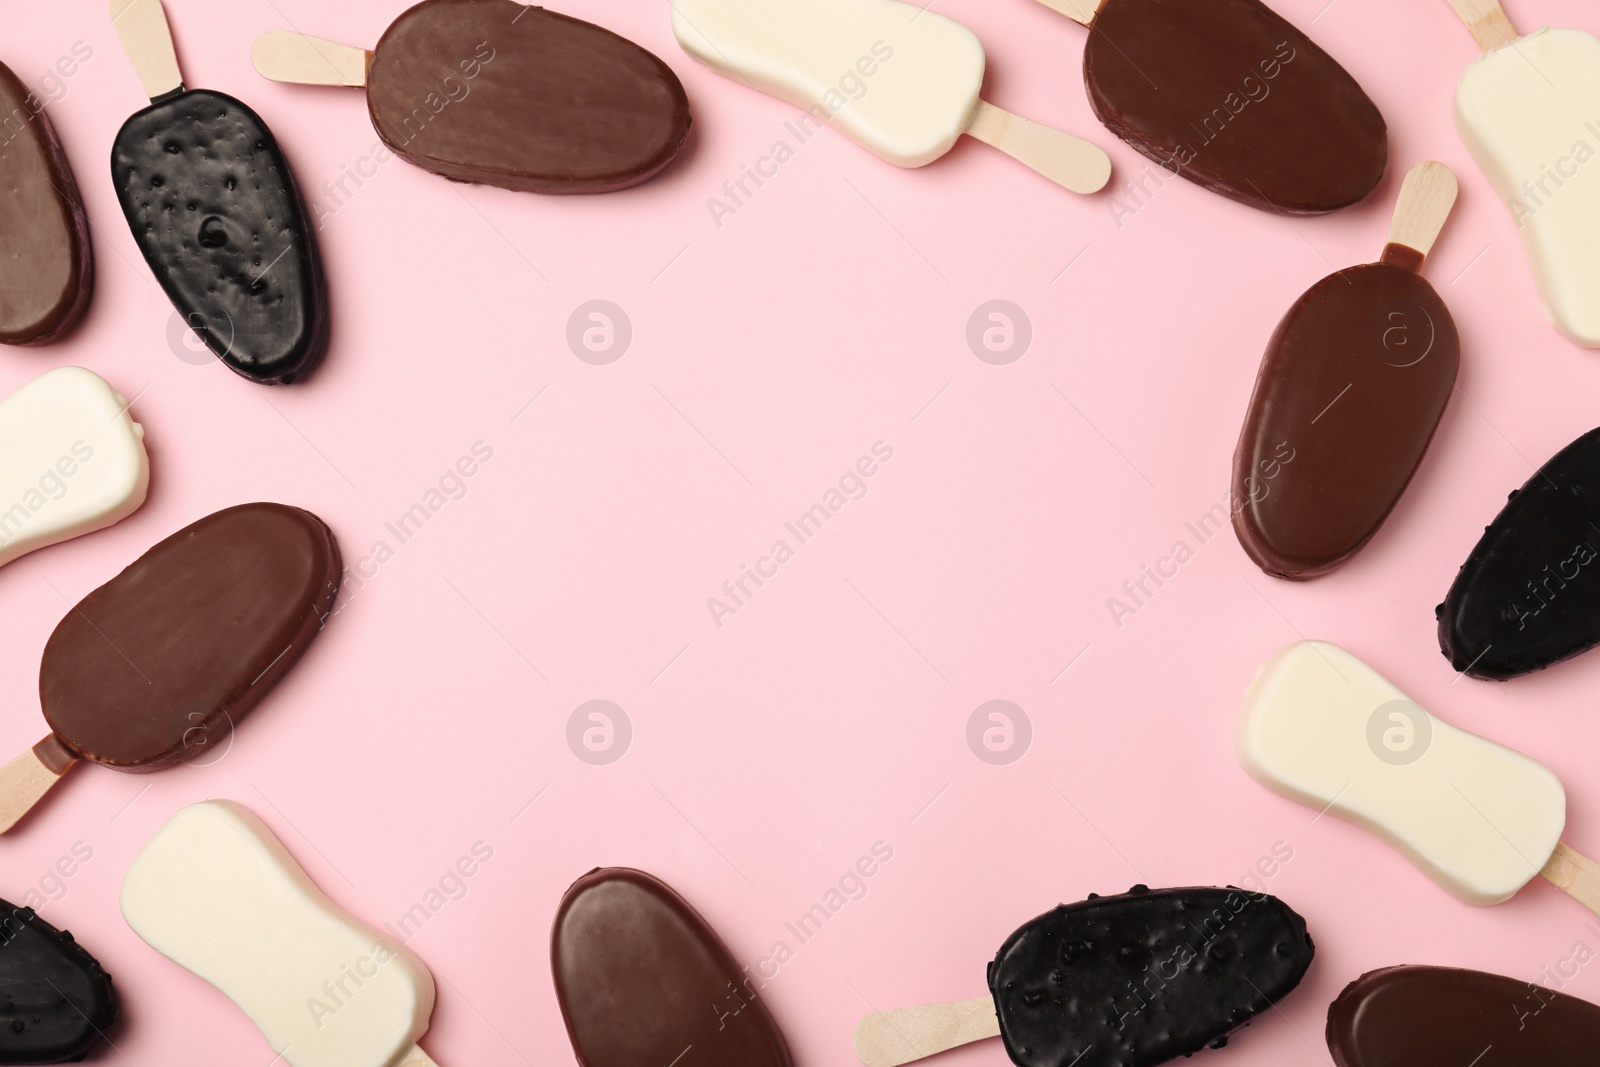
904 1035
1490 25
1068 160
1576 873
1082 11
1426 197
25 780
300 59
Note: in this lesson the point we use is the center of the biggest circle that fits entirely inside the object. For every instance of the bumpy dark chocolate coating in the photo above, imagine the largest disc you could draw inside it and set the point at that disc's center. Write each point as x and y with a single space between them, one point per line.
494 92
1141 978
1186 83
55 1000
215 210
161 662
1529 594
643 980
1352 386
1445 1017
46 261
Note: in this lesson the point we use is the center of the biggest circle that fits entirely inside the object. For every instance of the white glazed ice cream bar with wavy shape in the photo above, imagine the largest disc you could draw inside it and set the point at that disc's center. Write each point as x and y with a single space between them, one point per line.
217 893
1321 727
899 80
72 461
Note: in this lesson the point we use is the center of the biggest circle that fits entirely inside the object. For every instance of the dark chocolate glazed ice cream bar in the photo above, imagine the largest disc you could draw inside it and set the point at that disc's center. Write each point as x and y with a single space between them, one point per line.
215 210
1122 981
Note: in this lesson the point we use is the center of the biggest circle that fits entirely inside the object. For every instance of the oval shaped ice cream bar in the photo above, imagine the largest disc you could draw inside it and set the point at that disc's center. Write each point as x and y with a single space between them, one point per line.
215 211
899 80
1528 110
494 92
217 893
163 661
1234 98
1448 1017
1529 594
1352 386
46 261
643 979
1321 727
1130 980
72 461
56 1001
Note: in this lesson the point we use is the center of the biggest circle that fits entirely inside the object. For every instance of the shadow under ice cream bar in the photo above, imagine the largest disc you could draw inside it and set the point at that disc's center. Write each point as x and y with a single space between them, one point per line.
1528 110
1120 981
72 461
1352 386
46 261
1321 727
1446 1017
215 211
642 979
1529 594
215 892
56 1001
494 92
161 662
1231 96
899 80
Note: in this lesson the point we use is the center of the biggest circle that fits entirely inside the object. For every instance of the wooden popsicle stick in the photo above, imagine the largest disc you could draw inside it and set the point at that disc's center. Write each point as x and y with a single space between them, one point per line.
417 1058
1069 161
1082 11
142 25
904 1035
29 777
1577 874
301 59
1490 25
1426 197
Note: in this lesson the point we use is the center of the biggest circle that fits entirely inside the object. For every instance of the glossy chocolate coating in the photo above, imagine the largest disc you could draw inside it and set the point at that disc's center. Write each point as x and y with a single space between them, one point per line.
643 980
1529 594
46 264
1444 1017
55 1000
1141 978
494 92
215 210
162 661
1352 386
1234 98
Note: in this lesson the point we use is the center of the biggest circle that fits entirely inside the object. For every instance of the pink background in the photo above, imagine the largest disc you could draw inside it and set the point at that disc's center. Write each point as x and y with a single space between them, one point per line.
830 712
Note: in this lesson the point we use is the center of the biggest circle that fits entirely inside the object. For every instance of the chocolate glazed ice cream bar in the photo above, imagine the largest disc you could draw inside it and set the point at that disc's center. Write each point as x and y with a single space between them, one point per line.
643 979
494 92
1122 981
215 211
160 663
46 261
1446 1017
899 80
1352 386
1232 97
